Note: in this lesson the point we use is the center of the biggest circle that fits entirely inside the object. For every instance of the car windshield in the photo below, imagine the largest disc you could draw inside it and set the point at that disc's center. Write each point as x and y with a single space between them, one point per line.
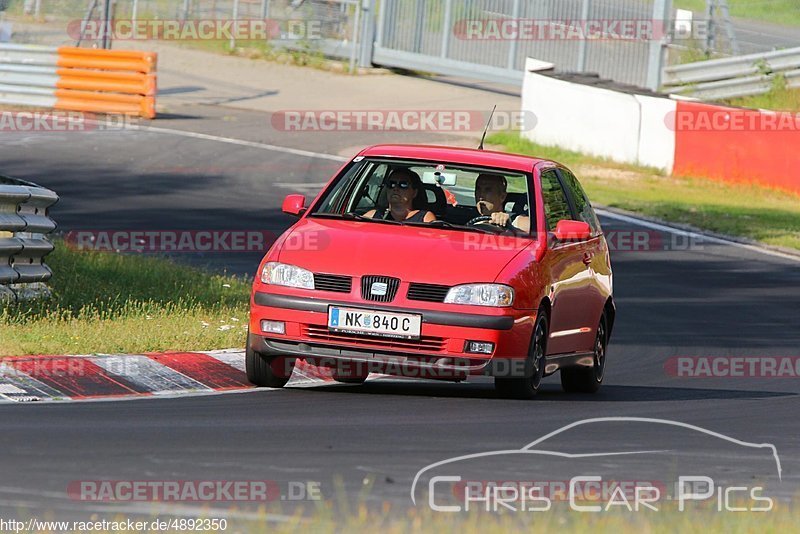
364 192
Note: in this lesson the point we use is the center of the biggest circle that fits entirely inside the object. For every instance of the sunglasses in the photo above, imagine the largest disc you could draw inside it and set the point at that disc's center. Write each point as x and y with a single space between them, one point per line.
392 184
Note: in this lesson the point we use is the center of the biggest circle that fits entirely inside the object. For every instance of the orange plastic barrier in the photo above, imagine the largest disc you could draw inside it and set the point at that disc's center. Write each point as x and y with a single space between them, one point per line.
97 58
94 80
106 81
738 145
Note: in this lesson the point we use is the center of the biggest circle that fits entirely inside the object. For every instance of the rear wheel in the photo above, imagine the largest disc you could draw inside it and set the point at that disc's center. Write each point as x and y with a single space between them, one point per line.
588 379
268 371
527 386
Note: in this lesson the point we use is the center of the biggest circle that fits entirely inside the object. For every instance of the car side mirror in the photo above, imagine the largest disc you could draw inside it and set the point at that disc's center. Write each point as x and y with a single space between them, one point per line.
567 230
294 205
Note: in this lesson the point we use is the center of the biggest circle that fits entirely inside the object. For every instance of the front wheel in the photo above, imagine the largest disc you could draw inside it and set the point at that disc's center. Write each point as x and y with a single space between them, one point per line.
350 379
527 386
588 379
267 371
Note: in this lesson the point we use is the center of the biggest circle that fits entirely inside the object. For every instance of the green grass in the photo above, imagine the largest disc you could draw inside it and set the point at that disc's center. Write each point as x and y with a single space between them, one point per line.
762 214
331 519
779 98
104 302
305 56
513 142
786 12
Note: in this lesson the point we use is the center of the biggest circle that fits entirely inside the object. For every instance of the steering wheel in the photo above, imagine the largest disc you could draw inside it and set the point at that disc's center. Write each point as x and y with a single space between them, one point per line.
486 219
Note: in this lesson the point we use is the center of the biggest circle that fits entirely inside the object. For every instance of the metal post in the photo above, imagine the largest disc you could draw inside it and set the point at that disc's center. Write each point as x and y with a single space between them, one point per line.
234 17
710 37
86 18
512 48
367 33
106 24
135 10
264 9
37 8
382 14
419 26
446 27
185 12
726 20
656 56
584 43
354 42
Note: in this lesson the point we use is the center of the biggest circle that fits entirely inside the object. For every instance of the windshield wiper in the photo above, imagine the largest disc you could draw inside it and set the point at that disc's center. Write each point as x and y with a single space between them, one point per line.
356 216
438 223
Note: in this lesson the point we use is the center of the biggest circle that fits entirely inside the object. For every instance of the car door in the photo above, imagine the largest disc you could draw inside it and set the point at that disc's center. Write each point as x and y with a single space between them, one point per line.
566 271
593 254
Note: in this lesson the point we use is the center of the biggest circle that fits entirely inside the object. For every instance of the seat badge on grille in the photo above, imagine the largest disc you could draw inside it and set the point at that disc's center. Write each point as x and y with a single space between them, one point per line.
378 289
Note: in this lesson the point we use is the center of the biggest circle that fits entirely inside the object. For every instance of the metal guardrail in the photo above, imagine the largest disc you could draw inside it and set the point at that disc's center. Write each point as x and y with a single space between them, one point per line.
24 227
731 77
78 79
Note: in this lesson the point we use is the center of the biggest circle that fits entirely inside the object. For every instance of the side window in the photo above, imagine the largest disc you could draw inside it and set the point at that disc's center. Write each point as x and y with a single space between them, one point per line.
582 205
371 192
556 207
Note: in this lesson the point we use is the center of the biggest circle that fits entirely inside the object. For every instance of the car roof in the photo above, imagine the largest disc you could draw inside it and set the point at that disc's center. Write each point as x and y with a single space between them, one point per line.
450 154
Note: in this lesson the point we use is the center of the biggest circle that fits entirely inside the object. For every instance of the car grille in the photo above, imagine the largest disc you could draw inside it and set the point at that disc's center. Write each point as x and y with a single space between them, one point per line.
427 292
333 282
391 287
424 344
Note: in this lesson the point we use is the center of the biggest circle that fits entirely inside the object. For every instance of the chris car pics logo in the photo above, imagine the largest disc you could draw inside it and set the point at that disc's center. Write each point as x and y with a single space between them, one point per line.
445 486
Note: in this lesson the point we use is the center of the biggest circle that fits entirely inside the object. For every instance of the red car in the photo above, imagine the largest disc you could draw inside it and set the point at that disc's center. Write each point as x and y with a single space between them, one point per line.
438 262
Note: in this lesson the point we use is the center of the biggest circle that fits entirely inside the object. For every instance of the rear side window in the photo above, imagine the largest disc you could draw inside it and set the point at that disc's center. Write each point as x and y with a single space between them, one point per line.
582 205
556 207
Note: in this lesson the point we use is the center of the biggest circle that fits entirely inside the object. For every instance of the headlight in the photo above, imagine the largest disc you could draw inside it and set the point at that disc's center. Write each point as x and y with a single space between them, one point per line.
281 274
481 295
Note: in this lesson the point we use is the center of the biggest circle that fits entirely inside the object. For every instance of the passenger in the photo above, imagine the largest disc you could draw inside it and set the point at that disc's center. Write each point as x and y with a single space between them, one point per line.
490 197
402 187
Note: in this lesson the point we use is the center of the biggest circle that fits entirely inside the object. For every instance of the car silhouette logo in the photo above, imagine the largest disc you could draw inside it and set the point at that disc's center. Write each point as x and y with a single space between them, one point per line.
378 289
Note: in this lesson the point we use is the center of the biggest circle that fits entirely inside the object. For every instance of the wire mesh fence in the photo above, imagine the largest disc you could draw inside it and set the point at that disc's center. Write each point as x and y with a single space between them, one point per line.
428 35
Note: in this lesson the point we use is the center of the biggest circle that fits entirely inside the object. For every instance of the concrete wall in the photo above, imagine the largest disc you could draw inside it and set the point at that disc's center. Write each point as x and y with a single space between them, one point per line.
601 122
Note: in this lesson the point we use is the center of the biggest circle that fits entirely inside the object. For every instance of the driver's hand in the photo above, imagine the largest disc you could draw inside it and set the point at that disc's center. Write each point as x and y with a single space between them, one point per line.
500 218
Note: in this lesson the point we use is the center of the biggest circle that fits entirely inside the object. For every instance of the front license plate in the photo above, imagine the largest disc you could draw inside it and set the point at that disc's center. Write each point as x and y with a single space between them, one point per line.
375 323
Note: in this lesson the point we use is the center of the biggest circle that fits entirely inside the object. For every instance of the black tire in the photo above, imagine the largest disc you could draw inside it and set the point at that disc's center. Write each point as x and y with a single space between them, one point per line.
589 379
350 379
267 371
527 386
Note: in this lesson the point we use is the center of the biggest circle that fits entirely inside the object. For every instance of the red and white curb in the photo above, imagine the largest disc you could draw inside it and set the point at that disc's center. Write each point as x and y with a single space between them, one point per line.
105 376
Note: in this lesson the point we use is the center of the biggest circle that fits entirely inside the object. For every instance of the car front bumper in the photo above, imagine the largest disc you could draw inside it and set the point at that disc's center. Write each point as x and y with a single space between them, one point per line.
438 353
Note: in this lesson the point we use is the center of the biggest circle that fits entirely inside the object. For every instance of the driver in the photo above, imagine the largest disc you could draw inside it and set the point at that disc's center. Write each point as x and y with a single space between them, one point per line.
402 187
490 197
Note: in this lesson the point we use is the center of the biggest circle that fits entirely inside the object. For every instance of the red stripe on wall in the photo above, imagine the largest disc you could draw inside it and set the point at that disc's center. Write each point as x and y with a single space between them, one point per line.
77 378
203 368
748 147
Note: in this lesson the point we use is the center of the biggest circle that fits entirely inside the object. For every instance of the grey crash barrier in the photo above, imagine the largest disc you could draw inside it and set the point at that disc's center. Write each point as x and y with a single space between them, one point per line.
25 224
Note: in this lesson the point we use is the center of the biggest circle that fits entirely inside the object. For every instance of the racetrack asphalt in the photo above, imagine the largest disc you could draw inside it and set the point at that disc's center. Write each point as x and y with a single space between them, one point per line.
706 299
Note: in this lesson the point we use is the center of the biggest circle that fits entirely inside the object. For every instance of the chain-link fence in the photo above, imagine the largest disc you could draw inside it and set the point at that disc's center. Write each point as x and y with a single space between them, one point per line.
329 27
426 35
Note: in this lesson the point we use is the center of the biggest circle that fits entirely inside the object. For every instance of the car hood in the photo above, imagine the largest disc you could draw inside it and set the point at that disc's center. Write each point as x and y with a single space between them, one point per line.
414 253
